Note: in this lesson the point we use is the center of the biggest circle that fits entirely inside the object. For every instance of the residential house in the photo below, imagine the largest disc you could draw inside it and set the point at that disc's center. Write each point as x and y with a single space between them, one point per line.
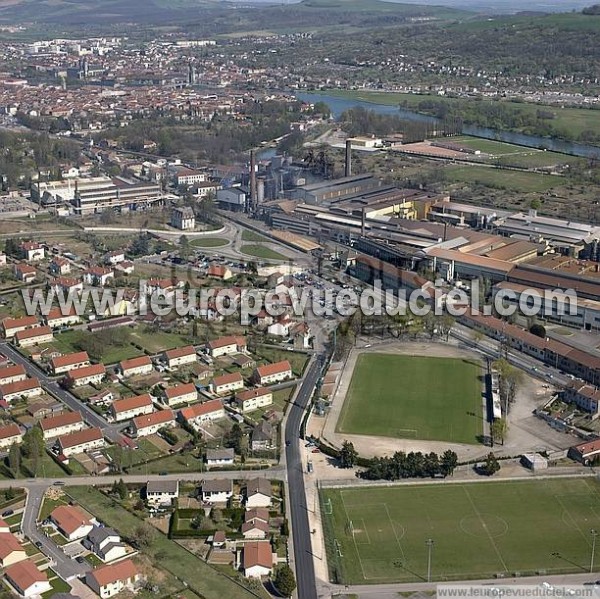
273 373
257 560
263 319
32 251
281 327
244 361
98 276
9 435
130 407
161 492
59 267
25 273
220 457
253 399
178 394
12 374
136 366
56 318
218 271
227 383
114 258
4 526
258 493
11 550
2 259
109 580
261 438
35 336
226 345
180 356
104 398
88 375
201 413
26 388
80 441
67 286
71 522
255 529
150 424
27 580
186 176
105 543
217 490
126 267
301 334
587 452
11 326
62 424
586 397
183 218
66 362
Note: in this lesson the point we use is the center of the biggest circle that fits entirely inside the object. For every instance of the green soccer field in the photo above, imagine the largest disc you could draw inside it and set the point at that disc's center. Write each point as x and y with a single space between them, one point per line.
438 399
479 530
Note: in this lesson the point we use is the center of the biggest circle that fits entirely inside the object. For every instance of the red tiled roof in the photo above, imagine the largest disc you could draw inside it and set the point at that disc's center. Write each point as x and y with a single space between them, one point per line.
132 403
19 386
180 351
160 417
110 573
25 574
252 393
34 332
68 359
80 437
11 371
214 405
269 369
69 518
12 430
8 544
47 424
136 362
179 390
81 373
226 379
258 553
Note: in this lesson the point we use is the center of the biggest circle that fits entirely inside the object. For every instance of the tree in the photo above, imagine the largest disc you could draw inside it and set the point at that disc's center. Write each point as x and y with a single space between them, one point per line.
446 323
184 247
499 428
33 443
491 465
538 330
285 581
216 515
197 521
448 462
143 535
121 489
348 455
234 438
14 459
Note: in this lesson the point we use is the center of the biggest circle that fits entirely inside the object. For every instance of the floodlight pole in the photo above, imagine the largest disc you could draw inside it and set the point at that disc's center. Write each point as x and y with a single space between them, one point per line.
594 534
429 543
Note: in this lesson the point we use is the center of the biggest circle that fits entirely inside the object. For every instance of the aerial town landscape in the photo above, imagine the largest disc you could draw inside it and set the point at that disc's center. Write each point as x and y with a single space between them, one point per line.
299 299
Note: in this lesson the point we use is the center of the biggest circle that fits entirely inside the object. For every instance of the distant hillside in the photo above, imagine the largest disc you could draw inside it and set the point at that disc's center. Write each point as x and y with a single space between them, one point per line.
248 16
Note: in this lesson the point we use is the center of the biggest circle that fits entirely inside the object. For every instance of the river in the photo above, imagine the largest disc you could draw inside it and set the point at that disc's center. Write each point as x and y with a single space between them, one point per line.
339 105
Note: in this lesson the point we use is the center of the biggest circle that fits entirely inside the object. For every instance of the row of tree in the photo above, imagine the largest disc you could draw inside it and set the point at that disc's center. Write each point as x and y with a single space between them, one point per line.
411 465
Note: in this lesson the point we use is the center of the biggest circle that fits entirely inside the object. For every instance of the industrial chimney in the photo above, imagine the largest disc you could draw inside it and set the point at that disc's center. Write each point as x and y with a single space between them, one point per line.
253 190
348 169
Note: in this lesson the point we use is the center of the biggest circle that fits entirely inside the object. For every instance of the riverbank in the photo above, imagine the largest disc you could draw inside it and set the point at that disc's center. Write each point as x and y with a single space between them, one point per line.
564 123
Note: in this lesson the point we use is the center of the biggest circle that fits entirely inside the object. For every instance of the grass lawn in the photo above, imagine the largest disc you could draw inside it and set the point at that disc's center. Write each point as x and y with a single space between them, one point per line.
248 235
170 463
297 360
209 242
260 251
49 505
58 584
480 530
66 341
414 397
503 179
46 467
158 341
164 553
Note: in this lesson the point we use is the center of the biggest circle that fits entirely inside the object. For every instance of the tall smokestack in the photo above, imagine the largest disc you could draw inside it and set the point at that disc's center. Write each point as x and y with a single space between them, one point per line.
362 223
348 169
253 190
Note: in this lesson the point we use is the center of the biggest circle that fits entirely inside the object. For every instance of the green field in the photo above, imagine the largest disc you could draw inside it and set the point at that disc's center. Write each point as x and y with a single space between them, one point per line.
480 530
503 179
414 397
248 235
260 251
209 242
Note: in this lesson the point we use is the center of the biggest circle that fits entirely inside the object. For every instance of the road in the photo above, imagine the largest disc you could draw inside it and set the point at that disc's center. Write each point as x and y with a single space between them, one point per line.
110 430
65 566
305 572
